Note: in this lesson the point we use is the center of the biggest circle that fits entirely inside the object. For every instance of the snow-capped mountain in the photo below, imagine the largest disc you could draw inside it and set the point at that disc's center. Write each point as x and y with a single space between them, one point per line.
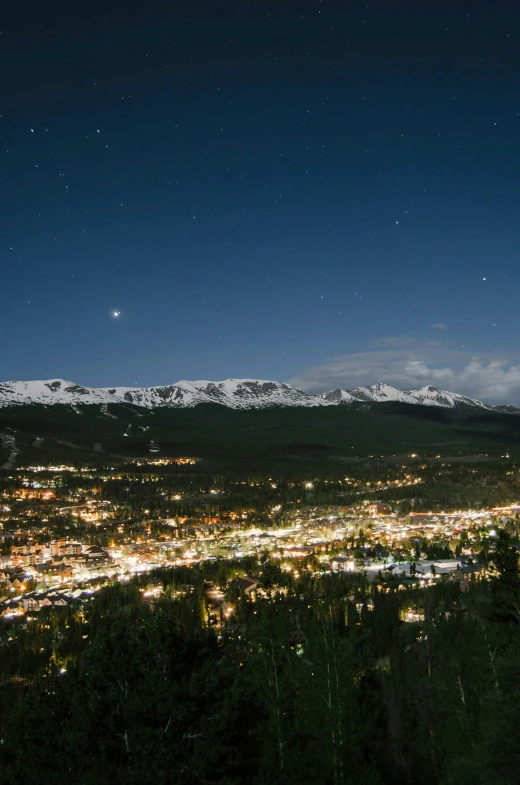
340 396
374 394
426 396
233 393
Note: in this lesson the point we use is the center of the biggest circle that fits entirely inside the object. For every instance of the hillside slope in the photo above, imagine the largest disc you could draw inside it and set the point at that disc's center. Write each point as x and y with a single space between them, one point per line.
212 431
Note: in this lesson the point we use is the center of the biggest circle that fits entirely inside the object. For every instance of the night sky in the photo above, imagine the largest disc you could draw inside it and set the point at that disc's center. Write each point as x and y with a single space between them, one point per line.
325 193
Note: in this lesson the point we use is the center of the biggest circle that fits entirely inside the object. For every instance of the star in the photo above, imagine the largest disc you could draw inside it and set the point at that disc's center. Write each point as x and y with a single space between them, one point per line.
116 314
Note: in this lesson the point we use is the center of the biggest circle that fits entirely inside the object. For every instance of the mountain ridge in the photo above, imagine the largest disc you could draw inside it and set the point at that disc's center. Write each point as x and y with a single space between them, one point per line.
232 393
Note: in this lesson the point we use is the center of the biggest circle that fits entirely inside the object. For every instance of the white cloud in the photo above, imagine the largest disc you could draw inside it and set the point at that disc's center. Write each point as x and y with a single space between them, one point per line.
409 364
439 326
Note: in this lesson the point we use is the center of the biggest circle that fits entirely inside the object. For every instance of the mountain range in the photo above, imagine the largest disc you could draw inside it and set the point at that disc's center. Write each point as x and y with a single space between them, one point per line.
232 393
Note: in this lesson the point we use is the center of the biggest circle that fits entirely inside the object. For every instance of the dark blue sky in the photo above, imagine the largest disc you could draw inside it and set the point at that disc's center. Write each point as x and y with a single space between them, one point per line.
324 192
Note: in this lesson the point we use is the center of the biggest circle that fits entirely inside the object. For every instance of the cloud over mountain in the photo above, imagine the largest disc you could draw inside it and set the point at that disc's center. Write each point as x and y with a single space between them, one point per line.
407 363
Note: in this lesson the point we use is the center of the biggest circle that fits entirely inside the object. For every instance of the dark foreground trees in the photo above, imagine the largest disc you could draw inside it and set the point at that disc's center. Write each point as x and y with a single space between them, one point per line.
323 685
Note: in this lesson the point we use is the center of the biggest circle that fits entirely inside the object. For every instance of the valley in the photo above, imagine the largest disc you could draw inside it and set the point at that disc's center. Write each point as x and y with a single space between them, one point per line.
214 549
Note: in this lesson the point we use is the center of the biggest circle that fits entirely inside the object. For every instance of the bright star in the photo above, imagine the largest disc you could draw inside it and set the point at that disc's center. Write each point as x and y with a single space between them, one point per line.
116 314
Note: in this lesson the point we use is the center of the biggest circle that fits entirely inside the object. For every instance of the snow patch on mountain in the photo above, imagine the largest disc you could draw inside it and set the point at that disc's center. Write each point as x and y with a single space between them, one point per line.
339 396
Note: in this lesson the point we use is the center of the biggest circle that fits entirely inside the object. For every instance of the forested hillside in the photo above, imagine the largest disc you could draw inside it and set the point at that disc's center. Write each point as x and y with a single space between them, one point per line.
318 680
91 434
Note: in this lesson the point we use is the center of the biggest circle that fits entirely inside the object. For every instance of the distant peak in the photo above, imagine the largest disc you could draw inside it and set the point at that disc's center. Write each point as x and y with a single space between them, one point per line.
428 389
